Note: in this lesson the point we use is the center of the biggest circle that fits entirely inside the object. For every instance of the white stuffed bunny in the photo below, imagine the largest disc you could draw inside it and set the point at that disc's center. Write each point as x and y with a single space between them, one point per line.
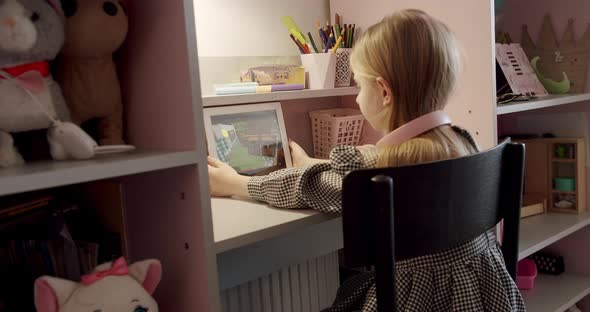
110 288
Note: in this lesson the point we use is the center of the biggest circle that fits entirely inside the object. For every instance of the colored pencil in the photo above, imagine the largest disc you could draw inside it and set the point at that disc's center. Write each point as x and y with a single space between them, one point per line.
337 45
301 49
350 30
315 48
345 35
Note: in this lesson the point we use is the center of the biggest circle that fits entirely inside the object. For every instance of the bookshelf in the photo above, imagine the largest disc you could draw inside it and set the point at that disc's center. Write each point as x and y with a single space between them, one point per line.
165 202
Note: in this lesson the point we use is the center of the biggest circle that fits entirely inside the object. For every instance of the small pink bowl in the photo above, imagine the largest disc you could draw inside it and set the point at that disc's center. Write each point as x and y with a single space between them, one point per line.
527 272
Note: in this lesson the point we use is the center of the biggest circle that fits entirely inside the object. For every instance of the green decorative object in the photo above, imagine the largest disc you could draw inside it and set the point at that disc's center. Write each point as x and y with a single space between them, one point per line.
552 86
560 151
569 54
565 184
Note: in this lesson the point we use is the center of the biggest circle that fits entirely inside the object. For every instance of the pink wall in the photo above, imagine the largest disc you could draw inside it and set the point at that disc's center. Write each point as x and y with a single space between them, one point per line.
155 77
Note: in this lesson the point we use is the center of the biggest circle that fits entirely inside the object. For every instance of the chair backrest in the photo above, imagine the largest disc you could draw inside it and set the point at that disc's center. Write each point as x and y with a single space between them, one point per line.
438 205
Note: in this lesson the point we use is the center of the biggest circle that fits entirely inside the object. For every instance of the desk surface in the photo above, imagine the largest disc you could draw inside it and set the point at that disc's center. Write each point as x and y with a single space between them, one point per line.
239 222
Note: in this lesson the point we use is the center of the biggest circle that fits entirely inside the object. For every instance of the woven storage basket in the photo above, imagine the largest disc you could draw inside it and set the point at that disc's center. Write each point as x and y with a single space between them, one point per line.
333 127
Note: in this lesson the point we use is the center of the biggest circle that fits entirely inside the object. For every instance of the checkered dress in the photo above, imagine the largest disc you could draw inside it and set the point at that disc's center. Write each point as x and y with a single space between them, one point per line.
470 277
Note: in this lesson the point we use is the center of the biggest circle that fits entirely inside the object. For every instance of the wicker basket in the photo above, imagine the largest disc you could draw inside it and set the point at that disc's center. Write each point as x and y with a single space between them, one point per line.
333 127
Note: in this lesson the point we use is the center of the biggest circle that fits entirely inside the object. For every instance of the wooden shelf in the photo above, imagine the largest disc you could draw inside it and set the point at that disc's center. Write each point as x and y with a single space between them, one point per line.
239 222
223 100
556 293
564 192
541 102
540 231
564 160
48 174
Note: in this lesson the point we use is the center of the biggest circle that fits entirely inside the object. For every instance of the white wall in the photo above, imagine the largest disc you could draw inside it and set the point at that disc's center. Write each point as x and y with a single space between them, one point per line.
253 27
473 107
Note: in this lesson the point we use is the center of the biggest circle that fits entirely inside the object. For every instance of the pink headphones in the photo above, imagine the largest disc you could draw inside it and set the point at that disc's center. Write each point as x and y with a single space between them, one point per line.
416 127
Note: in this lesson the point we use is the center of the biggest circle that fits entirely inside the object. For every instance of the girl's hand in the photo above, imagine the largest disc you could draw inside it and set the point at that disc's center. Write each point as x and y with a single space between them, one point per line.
300 157
224 180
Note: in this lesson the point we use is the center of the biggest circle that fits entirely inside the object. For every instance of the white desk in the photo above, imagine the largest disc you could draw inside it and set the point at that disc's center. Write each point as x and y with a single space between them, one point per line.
253 239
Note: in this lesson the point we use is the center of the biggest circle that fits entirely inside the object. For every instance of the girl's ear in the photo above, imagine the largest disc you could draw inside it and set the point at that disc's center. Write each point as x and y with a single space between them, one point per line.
385 91
148 273
51 293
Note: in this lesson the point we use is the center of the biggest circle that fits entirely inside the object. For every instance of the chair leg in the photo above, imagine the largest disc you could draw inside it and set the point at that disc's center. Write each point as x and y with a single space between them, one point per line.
385 257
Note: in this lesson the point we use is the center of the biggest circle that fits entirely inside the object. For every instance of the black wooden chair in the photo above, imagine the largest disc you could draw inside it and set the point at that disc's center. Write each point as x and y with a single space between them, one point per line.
438 205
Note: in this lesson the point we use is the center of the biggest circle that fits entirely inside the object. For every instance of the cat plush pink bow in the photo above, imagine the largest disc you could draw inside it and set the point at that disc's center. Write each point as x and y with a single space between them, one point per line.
119 268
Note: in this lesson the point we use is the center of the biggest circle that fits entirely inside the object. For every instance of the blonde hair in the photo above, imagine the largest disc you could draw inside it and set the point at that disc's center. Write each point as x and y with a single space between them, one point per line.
419 56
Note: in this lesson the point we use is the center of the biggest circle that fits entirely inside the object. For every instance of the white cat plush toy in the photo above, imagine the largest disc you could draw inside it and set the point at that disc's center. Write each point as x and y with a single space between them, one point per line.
32 34
112 287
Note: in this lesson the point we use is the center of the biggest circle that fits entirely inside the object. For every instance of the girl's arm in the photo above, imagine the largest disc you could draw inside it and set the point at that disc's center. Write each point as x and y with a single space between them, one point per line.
225 181
318 187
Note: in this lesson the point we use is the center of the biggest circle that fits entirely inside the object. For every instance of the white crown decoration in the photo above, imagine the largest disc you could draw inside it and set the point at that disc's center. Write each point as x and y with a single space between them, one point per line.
559 64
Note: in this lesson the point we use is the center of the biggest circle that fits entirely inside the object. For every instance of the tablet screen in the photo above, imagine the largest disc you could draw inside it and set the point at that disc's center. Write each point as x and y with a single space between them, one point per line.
250 142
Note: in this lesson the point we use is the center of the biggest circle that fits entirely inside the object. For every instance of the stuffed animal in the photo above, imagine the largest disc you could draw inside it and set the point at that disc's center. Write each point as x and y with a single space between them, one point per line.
110 288
95 29
31 34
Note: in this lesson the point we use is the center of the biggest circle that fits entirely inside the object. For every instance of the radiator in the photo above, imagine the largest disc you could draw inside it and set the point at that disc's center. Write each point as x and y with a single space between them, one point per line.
306 287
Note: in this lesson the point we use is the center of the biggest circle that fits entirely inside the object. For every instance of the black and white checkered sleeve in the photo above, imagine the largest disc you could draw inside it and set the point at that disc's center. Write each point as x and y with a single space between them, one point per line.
318 187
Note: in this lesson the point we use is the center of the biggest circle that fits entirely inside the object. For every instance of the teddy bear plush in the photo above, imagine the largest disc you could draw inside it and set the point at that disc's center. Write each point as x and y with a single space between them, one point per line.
112 287
94 29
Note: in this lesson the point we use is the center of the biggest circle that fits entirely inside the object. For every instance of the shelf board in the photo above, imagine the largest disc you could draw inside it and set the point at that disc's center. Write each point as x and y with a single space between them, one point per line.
563 160
223 100
564 192
540 231
240 222
541 102
556 293
47 174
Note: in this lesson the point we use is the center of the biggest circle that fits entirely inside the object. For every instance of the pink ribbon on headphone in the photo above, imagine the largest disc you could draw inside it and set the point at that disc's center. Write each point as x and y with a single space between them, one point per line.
119 268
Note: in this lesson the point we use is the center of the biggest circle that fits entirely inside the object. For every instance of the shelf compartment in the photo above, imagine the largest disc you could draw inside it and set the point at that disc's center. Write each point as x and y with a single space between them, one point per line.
48 174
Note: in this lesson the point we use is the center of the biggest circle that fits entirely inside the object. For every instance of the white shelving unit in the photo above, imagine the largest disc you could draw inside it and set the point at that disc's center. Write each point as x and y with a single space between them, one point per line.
223 100
556 293
48 174
542 102
540 231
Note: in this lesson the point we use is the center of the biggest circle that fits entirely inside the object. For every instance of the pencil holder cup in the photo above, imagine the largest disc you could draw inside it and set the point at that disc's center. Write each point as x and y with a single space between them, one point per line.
321 70
343 68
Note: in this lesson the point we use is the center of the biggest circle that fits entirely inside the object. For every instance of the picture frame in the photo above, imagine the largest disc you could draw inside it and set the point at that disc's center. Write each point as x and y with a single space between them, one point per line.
251 138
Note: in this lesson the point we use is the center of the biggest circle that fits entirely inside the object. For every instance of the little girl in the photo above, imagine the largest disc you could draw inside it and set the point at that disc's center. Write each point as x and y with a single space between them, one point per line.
406 67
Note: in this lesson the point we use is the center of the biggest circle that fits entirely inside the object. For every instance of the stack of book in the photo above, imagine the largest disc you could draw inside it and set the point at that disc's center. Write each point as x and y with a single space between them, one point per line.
36 240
